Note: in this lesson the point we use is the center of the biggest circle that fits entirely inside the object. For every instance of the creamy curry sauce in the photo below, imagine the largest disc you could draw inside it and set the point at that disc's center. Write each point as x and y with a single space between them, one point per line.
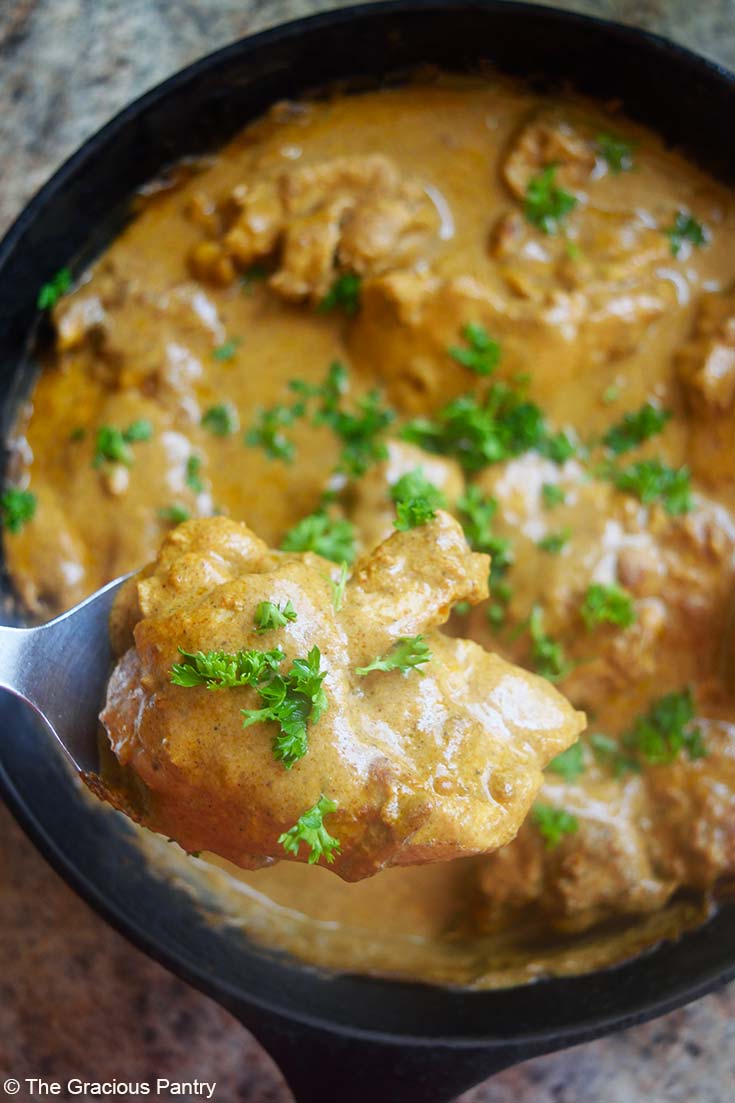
593 321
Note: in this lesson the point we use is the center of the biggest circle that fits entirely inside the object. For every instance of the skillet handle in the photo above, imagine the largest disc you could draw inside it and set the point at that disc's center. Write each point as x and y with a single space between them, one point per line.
320 1065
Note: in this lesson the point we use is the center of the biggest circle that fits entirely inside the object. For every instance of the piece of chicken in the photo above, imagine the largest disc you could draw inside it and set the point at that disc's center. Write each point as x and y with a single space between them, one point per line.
350 215
429 765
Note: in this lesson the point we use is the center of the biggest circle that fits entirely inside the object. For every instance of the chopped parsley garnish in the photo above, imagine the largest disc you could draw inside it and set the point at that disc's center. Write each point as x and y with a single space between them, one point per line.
547 654
552 495
617 152
555 542
608 753
193 478
344 295
331 537
611 394
267 432
174 514
292 701
653 480
51 292
686 228
227 350
476 513
553 823
17 507
416 499
482 431
570 763
635 428
408 653
462 608
338 587
113 445
256 273
310 829
558 447
220 420
666 730
546 204
268 615
481 353
608 605
360 431
225 669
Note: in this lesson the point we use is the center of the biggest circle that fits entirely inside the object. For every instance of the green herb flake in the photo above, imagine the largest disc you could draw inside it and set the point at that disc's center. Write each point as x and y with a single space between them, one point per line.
227 350
256 273
654 481
547 655
686 228
225 669
608 605
292 701
608 753
193 478
635 428
267 432
310 830
611 394
51 292
331 537
268 615
344 295
416 500
552 495
616 152
220 420
481 353
570 763
666 731
77 434
555 542
547 205
407 653
112 445
338 587
174 514
553 823
476 514
17 507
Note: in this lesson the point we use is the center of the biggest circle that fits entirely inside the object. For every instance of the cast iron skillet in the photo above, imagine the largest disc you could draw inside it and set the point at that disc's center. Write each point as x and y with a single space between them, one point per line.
339 1037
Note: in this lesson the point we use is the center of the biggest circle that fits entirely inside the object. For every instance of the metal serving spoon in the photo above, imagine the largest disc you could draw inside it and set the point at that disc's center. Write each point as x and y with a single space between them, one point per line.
61 669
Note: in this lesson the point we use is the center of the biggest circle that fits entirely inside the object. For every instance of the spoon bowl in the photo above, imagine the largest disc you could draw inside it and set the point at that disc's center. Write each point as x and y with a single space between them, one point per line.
61 670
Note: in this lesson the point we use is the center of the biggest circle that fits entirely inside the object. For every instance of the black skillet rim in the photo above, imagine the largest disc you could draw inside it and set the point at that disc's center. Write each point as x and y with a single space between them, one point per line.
191 969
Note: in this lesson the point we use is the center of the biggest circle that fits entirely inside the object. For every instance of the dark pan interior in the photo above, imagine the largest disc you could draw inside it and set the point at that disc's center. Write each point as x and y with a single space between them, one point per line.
688 100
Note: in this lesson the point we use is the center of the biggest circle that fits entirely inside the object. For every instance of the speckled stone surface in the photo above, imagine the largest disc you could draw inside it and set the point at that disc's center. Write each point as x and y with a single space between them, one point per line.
75 999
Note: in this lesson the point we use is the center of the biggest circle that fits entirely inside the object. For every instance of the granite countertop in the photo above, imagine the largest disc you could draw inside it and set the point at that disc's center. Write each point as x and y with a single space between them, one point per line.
76 999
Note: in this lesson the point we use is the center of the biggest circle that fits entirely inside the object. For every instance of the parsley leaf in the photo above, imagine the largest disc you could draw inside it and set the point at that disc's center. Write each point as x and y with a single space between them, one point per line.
570 763
174 514
617 152
476 513
552 495
269 615
555 542
553 823
407 653
256 273
227 350
344 295
652 480
267 432
608 605
635 428
338 588
220 420
292 701
547 205
416 500
310 829
113 445
686 228
193 478
331 537
50 293
225 669
17 507
666 730
607 752
482 353
547 654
